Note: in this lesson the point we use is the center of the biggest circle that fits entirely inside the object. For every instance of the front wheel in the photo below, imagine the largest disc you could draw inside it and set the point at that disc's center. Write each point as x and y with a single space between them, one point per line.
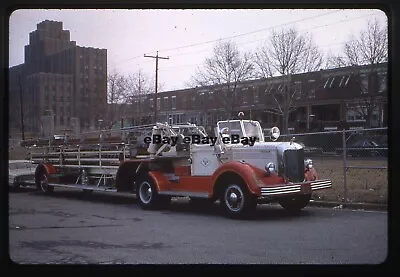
295 203
147 195
237 202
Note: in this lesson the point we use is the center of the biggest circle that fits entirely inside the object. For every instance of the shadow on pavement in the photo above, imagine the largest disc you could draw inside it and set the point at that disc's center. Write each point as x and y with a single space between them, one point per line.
177 206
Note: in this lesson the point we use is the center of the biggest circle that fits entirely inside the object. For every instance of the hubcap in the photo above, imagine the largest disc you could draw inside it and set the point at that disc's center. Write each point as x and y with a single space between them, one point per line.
145 192
44 183
234 198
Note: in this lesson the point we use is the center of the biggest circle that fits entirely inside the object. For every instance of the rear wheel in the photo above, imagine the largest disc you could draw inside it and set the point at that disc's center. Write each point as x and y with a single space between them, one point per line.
42 183
295 203
237 201
147 194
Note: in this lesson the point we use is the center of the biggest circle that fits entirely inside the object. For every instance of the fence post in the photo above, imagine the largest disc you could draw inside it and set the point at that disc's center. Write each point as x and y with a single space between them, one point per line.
344 166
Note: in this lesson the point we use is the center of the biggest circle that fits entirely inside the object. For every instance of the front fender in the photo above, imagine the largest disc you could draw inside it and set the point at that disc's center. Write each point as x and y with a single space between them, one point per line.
248 173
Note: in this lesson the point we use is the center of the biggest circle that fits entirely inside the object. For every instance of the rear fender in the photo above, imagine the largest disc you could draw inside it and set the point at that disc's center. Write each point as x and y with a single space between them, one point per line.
126 176
159 179
47 168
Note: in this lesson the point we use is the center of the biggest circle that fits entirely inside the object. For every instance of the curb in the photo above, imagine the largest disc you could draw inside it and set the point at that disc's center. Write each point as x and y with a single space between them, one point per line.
341 205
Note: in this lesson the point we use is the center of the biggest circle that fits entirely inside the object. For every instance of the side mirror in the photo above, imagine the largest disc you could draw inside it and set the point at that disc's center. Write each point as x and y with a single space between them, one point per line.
275 133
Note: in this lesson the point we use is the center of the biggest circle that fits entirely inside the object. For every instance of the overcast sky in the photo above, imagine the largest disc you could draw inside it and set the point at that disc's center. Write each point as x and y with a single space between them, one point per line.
187 37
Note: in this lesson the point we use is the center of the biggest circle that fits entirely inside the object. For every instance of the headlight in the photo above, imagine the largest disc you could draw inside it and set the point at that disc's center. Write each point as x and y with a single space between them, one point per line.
270 167
274 133
308 163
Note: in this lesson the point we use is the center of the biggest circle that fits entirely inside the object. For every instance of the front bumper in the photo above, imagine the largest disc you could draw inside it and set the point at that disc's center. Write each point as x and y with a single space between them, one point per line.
302 188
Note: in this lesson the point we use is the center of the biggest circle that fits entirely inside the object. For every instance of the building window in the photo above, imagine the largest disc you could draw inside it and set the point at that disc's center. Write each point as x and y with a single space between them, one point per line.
329 82
243 97
211 96
193 100
311 88
382 81
173 99
297 89
158 103
184 101
364 83
347 81
165 103
151 103
256 96
201 98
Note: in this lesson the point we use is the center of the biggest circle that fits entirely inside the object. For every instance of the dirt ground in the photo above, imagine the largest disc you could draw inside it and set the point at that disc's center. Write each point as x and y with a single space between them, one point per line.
363 185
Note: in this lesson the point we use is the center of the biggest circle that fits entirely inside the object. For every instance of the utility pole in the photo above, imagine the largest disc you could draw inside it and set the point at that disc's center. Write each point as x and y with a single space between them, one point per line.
22 108
155 96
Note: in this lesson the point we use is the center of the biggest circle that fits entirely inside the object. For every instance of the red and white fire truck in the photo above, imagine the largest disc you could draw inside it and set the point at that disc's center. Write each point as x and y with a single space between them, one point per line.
237 167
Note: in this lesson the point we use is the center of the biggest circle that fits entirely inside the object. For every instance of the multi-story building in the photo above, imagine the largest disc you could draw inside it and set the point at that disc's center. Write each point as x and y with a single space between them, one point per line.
60 78
336 98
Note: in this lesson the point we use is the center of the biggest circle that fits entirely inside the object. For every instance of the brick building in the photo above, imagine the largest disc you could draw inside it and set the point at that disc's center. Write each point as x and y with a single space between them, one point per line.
60 78
333 98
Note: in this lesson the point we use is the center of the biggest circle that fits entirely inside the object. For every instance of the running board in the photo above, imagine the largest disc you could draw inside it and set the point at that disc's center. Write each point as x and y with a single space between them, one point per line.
184 193
84 187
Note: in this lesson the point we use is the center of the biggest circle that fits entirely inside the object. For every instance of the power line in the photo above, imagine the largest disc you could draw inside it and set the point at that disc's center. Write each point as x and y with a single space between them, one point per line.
248 33
258 40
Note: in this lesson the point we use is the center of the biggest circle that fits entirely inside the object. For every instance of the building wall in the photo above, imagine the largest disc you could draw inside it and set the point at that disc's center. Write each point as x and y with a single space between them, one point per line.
68 79
328 95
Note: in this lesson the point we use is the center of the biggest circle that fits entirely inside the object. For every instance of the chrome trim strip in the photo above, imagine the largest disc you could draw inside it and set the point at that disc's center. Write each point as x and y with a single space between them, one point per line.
279 192
280 188
295 187
184 193
321 187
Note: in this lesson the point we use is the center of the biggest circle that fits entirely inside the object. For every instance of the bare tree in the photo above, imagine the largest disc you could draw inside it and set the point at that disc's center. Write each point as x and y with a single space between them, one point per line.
139 85
369 48
285 53
224 71
335 61
116 97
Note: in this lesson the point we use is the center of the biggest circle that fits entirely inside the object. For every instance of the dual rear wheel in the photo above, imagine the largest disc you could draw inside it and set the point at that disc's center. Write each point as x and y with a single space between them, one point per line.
42 182
147 194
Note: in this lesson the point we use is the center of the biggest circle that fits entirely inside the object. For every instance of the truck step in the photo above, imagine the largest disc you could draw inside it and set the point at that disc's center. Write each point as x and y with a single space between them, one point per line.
84 187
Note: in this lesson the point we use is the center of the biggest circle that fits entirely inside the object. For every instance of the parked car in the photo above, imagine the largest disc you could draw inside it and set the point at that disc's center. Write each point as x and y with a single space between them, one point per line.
21 173
311 151
365 147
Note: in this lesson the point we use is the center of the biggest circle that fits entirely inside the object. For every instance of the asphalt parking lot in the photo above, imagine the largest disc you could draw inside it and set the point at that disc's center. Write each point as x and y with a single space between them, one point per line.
69 227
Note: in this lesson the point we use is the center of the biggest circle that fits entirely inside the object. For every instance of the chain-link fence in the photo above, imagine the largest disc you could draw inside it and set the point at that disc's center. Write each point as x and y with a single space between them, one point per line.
355 161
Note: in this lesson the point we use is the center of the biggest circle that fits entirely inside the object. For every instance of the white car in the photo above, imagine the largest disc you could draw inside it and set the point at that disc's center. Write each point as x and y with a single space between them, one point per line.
21 173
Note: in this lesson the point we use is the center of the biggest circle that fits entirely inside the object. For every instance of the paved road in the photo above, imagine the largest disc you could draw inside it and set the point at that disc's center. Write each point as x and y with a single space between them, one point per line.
68 227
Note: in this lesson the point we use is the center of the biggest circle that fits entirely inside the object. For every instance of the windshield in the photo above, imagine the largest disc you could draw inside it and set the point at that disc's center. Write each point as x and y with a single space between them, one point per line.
252 129
234 127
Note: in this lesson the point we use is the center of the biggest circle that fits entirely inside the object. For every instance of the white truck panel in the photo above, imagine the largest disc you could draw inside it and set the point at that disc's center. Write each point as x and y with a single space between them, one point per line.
204 160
